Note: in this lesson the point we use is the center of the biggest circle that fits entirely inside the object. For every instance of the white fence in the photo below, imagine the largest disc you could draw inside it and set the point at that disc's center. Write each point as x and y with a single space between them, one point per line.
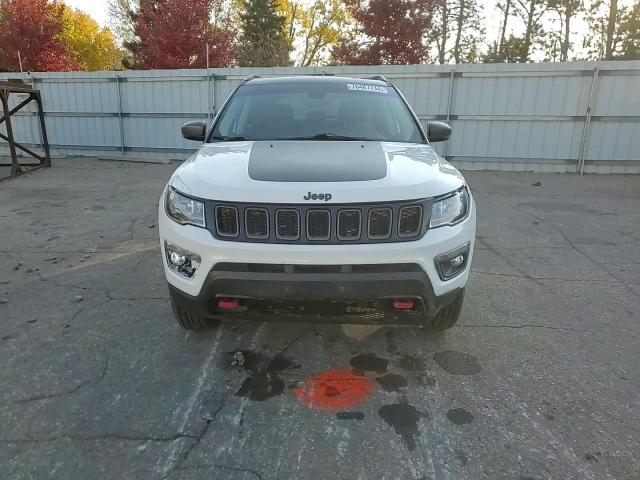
544 117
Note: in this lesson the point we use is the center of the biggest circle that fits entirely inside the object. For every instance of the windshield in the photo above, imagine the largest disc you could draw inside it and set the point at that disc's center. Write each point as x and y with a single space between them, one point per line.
319 110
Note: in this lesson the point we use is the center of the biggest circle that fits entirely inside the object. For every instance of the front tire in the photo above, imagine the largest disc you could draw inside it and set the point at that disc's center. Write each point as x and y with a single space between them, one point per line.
448 316
188 320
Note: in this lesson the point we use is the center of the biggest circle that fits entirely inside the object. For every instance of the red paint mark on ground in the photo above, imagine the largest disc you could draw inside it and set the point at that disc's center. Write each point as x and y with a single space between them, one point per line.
334 390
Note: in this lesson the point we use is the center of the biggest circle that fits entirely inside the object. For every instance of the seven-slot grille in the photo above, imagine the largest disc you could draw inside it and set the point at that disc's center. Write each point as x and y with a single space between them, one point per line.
312 224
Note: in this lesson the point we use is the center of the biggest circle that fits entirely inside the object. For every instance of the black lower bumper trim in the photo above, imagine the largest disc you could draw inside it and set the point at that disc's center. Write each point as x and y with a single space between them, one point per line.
316 297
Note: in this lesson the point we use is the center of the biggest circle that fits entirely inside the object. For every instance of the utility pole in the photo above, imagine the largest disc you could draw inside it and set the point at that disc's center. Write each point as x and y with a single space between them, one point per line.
20 61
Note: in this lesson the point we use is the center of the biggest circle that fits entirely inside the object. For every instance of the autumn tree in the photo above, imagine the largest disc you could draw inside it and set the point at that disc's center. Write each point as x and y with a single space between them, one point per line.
264 41
33 28
175 34
388 32
92 47
292 11
314 28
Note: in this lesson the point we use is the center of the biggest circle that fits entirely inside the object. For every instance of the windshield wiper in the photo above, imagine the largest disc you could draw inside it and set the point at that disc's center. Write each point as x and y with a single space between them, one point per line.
229 139
329 136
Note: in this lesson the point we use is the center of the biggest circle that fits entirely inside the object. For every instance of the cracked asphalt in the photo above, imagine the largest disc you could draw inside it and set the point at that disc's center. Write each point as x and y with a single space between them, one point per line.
539 380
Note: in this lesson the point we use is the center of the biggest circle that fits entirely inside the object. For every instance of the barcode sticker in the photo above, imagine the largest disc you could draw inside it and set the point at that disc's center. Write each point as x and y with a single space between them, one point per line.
360 87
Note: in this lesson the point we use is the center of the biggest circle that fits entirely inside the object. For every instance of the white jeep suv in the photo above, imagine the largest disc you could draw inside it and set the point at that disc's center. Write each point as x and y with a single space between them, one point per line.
317 199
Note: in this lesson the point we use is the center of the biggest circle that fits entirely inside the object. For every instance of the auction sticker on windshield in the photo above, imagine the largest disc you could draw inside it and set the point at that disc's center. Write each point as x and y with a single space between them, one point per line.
359 87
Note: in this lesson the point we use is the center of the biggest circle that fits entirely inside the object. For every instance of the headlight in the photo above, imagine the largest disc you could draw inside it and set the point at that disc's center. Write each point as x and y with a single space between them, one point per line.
450 210
183 209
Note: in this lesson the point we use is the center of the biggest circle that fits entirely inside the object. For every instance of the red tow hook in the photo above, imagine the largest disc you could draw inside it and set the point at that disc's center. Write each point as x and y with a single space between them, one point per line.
228 303
403 304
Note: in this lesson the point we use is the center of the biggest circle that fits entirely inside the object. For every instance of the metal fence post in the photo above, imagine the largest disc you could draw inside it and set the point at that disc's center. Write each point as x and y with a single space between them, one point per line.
122 149
587 121
451 80
43 131
208 89
34 80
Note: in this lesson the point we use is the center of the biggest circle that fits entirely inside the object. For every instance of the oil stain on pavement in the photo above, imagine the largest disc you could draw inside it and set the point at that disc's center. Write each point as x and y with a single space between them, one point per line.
460 416
392 382
404 420
369 362
264 381
341 389
350 416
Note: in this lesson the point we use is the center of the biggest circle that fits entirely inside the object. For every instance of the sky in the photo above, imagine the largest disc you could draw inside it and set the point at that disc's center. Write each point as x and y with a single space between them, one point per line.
96 8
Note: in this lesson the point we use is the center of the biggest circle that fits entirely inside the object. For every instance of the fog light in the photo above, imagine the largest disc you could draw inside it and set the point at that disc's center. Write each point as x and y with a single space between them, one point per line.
181 261
177 259
457 261
452 263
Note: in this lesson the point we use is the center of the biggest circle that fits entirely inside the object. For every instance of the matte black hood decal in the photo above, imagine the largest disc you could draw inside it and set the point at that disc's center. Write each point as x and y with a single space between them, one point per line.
317 161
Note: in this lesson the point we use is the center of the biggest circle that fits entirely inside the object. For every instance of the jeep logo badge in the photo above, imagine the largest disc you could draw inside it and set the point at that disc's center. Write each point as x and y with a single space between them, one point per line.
318 196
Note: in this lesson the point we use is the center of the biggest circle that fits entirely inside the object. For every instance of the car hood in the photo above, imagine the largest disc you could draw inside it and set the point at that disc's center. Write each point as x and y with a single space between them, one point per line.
289 171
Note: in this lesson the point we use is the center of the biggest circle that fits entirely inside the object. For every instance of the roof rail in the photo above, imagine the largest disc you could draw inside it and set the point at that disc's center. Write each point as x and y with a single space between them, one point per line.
250 77
382 78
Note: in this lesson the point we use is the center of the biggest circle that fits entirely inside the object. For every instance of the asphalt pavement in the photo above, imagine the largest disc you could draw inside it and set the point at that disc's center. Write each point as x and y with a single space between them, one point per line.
539 380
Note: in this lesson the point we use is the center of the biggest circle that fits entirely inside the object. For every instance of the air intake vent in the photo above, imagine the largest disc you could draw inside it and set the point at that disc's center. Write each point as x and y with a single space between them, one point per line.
227 221
318 224
256 222
379 223
410 221
349 225
287 224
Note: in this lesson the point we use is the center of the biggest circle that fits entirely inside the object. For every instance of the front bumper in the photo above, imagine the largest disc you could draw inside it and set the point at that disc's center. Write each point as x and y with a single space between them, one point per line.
343 297
210 281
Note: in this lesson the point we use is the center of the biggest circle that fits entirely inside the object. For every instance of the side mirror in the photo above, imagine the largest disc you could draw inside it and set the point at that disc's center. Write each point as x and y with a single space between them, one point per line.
194 131
438 131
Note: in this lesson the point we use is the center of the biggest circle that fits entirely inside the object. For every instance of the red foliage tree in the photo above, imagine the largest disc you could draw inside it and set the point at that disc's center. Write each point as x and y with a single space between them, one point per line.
389 32
175 33
33 28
